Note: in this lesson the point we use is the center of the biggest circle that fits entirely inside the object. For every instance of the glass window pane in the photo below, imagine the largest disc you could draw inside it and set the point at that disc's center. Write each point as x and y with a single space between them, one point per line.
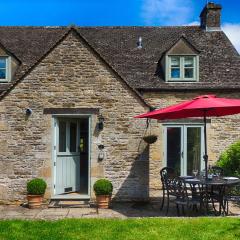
2 73
62 137
3 62
188 62
174 148
175 62
73 137
193 149
175 73
188 73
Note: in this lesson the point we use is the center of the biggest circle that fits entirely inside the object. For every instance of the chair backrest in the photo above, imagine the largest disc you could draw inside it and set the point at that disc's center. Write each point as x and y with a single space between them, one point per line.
217 170
181 191
166 173
168 179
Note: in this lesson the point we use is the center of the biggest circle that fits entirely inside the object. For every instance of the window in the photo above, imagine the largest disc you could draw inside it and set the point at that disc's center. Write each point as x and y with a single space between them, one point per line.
182 68
3 69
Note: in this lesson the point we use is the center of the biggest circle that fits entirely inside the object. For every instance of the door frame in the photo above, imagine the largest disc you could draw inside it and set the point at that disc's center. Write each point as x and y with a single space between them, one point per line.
54 153
183 127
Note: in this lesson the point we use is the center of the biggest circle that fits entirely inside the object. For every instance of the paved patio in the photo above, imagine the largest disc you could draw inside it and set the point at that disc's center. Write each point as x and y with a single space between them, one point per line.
118 210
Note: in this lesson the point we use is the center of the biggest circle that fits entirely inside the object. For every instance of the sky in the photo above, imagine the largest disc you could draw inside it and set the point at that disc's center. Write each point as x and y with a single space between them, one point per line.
116 13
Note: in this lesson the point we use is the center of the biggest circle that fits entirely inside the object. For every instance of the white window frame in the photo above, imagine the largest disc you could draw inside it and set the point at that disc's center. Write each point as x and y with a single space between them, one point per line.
182 68
8 69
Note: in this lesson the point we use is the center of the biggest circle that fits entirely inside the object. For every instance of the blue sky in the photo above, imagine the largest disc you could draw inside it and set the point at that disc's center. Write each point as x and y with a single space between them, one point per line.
116 12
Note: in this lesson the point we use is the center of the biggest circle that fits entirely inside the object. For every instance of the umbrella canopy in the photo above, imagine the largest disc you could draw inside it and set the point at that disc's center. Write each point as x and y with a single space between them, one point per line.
201 106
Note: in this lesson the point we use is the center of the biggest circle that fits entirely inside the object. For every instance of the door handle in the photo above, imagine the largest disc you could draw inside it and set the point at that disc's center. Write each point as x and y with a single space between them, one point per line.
182 154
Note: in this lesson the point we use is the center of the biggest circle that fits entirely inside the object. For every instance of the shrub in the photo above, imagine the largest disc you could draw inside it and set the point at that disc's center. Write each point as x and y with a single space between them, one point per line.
36 186
230 160
103 187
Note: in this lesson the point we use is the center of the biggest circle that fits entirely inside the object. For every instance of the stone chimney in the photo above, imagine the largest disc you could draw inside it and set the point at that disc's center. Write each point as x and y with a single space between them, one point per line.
211 17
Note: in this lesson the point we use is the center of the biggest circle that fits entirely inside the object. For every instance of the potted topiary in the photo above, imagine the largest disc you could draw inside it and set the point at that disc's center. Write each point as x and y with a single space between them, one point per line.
35 190
103 190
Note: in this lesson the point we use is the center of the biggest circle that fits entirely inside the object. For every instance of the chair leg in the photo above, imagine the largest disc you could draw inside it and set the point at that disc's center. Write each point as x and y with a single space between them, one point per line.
224 207
178 213
167 204
163 197
183 210
227 207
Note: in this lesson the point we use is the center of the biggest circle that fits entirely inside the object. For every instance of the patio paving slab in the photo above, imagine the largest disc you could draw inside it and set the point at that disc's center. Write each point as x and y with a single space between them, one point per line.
118 210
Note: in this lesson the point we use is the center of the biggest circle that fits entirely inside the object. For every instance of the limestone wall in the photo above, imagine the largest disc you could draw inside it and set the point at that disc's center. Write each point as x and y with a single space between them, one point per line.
72 76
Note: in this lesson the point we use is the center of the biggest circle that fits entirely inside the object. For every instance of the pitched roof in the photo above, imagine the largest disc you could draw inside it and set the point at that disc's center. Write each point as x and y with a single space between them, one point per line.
219 61
48 50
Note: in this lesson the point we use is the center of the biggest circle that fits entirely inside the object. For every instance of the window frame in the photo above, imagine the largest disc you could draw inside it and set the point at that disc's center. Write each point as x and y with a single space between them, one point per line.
8 69
182 68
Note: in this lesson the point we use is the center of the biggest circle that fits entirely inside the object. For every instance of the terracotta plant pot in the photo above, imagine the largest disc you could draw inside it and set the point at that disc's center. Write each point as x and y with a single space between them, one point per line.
34 201
150 139
103 201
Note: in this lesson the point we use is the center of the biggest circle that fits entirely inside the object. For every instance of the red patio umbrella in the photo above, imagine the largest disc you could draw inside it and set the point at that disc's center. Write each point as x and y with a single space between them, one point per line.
201 106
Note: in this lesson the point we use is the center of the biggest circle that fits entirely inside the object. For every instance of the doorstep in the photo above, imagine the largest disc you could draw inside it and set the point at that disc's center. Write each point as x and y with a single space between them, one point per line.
63 203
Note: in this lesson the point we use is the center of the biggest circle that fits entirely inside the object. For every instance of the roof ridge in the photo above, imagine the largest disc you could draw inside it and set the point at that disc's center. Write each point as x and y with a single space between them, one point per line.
35 27
143 27
109 27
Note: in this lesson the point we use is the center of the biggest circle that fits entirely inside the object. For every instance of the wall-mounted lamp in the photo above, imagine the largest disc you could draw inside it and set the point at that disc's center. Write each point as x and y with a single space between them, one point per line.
101 154
100 122
28 111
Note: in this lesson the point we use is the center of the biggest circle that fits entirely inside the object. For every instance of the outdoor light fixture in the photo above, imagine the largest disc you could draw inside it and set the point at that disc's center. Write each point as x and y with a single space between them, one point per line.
101 154
100 122
28 111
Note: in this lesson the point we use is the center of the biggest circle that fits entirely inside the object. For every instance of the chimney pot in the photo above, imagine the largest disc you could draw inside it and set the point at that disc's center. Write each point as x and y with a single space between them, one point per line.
211 17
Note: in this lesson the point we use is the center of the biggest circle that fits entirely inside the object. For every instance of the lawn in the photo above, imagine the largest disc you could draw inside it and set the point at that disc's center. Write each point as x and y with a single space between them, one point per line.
148 229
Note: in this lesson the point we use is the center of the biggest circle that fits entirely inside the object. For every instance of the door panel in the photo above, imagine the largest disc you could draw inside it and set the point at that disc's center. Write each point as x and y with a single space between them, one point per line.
174 148
193 149
68 177
67 163
184 148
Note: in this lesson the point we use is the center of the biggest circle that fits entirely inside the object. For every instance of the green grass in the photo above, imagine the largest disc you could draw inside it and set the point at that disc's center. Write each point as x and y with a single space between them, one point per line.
148 229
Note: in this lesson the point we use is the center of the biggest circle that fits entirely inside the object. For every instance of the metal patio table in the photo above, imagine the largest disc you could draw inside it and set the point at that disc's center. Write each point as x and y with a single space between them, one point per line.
208 186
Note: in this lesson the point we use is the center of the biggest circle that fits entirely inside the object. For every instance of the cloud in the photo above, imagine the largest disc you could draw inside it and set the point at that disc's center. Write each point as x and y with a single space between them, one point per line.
194 23
167 12
233 33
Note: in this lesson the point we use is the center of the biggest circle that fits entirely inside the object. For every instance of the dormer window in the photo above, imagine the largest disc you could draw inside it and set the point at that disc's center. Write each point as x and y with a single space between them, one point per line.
181 62
182 68
4 69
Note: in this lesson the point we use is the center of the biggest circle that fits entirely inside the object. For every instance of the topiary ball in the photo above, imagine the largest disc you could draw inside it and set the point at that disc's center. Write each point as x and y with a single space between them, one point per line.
36 186
103 187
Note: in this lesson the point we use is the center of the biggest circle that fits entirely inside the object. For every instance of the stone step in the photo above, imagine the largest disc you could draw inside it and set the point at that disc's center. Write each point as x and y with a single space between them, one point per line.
69 204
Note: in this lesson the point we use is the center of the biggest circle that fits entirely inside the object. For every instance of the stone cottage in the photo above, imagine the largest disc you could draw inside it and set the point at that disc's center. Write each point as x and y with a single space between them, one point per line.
69 96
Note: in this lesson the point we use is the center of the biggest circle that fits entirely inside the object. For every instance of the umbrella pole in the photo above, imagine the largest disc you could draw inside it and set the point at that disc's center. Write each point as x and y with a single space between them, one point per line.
205 157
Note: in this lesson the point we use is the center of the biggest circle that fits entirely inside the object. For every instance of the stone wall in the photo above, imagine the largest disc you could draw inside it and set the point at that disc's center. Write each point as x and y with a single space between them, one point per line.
72 76
221 132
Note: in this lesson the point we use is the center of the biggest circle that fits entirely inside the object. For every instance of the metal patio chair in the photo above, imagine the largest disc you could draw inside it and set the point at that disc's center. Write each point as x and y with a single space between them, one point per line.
187 197
232 195
168 185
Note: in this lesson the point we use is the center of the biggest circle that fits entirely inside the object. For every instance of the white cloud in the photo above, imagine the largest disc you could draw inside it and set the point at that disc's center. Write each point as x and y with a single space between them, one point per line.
233 33
167 12
195 23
